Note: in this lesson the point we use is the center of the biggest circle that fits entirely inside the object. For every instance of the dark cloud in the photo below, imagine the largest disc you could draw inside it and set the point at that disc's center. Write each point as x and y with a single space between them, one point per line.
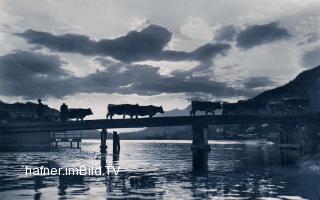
126 79
256 35
311 58
147 44
225 33
258 82
34 75
203 53
73 43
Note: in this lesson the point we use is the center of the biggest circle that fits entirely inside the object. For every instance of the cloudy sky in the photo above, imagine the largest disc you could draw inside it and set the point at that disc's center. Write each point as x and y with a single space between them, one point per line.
92 53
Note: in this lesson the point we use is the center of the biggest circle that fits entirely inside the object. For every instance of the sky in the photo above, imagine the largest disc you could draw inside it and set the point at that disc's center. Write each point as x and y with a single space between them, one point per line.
169 52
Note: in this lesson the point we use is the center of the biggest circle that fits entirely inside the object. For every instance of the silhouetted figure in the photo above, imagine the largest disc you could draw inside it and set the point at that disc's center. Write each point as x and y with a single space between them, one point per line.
64 110
40 110
79 113
116 143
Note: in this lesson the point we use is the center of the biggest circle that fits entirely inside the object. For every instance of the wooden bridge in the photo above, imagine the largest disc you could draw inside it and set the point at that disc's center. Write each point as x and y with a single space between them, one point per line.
153 122
199 124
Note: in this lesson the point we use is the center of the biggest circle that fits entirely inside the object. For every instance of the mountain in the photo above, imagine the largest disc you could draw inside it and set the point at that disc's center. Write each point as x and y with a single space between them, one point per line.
305 85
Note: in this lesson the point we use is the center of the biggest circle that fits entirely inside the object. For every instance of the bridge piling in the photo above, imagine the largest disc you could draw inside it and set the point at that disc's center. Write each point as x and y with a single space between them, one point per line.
200 147
103 146
116 143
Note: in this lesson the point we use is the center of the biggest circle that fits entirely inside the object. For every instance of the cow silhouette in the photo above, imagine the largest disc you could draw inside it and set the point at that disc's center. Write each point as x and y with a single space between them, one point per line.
123 109
206 106
150 110
79 113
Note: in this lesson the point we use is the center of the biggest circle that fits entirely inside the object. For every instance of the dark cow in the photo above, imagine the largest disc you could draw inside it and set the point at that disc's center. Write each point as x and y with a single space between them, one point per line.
150 110
79 113
123 109
244 107
230 108
207 106
252 107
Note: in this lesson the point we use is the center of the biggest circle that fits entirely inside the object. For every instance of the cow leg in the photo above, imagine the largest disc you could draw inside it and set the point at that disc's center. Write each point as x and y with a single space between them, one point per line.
192 113
124 116
108 115
206 113
131 116
136 116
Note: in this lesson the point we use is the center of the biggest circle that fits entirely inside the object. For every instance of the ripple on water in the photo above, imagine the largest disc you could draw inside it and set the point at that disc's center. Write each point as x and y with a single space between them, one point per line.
161 170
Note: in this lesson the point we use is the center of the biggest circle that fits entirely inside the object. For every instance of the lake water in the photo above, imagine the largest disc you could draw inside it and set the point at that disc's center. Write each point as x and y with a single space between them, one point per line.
163 170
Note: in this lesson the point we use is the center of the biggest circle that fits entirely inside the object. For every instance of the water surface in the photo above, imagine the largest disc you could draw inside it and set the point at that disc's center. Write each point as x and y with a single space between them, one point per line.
163 170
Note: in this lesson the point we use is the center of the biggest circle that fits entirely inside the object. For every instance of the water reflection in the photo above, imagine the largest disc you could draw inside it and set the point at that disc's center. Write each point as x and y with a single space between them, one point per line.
162 170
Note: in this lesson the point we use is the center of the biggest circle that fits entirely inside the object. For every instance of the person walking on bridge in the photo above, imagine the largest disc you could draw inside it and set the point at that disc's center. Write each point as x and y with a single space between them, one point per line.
40 110
64 110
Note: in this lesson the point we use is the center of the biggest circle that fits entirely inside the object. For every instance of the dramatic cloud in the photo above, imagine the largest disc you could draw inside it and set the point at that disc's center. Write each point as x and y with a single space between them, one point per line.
258 82
225 33
256 35
35 75
32 75
126 79
147 44
311 58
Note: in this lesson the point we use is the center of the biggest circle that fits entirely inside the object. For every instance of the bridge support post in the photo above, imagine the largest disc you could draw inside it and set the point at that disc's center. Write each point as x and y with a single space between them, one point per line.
200 147
103 163
303 137
310 135
116 143
290 136
103 136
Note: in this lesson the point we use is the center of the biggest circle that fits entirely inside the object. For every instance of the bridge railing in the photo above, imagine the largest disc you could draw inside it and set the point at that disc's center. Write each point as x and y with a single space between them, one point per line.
66 136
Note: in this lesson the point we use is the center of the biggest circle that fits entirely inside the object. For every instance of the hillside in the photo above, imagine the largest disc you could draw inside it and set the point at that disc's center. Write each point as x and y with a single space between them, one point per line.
305 85
26 111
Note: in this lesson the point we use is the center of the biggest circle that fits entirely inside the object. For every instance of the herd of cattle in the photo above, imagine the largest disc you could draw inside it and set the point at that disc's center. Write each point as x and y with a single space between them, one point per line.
121 109
292 106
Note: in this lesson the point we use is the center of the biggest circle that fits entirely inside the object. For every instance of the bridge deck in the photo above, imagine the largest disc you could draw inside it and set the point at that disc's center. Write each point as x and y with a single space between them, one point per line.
153 122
